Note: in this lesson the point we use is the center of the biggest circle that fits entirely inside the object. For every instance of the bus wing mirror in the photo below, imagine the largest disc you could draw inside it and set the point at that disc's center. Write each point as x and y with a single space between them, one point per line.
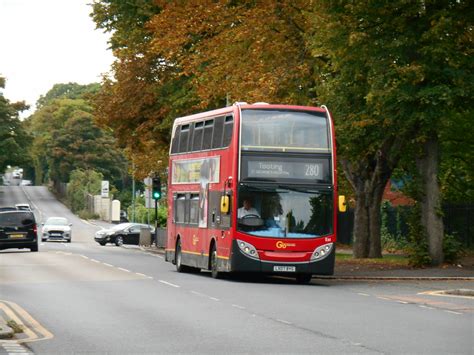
225 203
342 203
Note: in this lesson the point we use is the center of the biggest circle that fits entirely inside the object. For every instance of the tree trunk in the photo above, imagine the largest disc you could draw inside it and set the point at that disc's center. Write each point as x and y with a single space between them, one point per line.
361 226
431 218
369 186
375 247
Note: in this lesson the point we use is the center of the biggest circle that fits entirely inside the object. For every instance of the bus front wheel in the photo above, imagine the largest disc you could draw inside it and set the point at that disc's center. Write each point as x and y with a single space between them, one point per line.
214 273
303 278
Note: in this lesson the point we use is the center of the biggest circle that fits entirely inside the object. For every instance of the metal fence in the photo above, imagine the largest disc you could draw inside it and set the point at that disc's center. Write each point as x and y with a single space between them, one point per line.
458 221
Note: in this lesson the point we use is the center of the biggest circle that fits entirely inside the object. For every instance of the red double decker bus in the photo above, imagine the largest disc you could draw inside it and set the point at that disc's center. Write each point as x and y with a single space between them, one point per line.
252 188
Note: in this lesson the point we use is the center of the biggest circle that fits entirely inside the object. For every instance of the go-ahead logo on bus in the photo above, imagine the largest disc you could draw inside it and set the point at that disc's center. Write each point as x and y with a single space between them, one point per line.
282 245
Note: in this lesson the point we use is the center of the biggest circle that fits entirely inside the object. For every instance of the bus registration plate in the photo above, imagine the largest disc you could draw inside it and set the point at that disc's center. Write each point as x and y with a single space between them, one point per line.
281 268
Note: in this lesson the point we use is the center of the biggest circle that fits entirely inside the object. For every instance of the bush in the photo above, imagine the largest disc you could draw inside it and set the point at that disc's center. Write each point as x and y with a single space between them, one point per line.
85 214
452 248
142 214
81 183
417 244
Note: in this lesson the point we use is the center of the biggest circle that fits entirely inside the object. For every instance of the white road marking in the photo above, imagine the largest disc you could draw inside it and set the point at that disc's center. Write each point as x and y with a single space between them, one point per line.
155 255
168 283
452 312
363 294
423 306
402 302
95 261
108 265
237 306
384 298
203 295
83 256
120 268
198 293
140 274
284 321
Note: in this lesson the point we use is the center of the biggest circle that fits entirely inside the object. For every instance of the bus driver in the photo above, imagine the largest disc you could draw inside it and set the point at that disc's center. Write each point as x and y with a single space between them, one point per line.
247 210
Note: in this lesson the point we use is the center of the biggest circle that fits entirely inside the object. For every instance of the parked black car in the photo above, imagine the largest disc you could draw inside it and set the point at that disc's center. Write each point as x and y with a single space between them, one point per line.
18 230
7 208
123 233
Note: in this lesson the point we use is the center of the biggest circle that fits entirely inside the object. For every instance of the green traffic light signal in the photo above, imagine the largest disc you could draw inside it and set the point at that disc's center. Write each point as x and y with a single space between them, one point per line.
156 188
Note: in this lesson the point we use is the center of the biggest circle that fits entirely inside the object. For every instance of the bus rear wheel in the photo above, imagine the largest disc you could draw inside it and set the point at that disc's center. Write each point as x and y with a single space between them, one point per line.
178 258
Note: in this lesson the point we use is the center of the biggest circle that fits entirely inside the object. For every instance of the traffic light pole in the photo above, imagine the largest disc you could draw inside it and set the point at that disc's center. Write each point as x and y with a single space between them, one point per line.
156 222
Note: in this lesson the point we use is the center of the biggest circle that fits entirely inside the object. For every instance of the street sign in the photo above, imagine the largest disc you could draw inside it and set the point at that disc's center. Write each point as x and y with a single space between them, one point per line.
105 188
148 198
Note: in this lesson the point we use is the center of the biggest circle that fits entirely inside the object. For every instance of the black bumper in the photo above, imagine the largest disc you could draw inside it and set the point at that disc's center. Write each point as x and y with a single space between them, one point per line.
10 244
243 263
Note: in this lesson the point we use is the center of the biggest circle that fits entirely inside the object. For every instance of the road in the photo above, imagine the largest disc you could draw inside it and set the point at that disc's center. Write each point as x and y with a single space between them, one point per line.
85 298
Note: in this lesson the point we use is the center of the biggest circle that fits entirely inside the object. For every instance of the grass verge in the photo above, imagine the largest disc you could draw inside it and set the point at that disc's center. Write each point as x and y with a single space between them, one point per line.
15 326
387 260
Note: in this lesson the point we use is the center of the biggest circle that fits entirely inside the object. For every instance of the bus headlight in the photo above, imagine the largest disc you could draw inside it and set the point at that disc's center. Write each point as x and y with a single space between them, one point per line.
322 251
248 249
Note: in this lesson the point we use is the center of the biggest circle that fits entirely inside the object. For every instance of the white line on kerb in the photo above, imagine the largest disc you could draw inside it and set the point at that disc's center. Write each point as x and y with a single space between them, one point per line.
120 268
168 283
86 222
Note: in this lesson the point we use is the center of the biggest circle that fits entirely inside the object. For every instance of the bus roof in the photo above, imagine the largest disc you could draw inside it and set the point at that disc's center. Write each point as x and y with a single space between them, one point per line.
243 105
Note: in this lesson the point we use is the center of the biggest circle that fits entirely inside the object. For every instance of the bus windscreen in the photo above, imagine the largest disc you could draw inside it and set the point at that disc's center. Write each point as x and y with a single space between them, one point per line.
284 130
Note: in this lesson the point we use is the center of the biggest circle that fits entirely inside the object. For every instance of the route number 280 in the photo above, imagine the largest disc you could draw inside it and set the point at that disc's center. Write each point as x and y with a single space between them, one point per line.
312 170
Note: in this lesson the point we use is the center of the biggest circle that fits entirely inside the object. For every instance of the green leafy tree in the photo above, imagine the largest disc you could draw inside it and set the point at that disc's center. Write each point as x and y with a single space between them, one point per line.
14 140
395 74
66 138
81 183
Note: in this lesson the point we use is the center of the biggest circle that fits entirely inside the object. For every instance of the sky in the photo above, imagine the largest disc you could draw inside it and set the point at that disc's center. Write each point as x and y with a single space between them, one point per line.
47 42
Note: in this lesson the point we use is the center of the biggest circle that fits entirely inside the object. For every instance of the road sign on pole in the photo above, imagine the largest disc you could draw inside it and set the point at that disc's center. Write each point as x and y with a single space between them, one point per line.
105 188
148 192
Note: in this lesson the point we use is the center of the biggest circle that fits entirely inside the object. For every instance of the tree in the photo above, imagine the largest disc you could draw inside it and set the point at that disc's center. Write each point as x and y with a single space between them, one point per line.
66 138
178 56
395 73
14 140
67 91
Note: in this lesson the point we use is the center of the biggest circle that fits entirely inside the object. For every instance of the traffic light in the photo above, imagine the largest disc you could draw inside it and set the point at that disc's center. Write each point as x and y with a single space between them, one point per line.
156 188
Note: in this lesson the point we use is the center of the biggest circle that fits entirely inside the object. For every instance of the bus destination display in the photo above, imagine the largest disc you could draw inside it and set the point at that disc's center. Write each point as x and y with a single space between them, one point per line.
277 170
